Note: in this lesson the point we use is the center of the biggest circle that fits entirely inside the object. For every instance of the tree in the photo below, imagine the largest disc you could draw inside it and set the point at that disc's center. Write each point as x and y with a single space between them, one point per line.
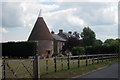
98 43
88 36
119 50
78 50
72 42
108 41
114 46
115 42
118 39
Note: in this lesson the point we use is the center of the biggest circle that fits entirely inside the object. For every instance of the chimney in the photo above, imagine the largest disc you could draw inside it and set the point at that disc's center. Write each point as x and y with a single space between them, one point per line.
60 31
70 32
52 32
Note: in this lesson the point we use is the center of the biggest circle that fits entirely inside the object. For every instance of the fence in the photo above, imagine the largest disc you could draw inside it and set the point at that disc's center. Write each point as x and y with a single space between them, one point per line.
33 68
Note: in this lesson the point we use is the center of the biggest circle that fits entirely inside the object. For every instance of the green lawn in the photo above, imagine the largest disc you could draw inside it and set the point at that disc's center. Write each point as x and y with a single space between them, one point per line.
75 71
21 72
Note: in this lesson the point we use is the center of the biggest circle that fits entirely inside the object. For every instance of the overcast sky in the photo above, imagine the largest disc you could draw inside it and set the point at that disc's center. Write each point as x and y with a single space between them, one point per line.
18 18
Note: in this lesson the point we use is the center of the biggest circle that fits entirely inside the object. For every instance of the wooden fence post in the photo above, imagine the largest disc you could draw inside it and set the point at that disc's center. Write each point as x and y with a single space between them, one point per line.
102 57
55 65
112 57
116 56
86 61
82 60
36 67
68 62
93 60
47 66
73 61
89 59
97 58
78 61
4 68
62 63
109 57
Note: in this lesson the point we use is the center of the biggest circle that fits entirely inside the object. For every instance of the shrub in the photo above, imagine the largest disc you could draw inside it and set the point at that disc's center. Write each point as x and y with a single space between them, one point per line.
119 49
18 49
55 54
60 55
77 50
104 49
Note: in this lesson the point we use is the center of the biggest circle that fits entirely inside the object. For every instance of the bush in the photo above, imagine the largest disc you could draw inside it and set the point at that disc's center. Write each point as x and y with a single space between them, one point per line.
17 49
89 50
119 49
77 50
60 55
104 49
55 54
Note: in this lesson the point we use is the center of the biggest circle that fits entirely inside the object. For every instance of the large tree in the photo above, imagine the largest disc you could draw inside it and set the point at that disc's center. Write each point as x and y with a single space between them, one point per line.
88 37
108 41
98 42
118 39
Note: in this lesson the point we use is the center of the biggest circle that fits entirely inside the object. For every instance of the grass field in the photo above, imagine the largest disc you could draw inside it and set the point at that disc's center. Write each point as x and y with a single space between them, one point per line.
21 71
75 71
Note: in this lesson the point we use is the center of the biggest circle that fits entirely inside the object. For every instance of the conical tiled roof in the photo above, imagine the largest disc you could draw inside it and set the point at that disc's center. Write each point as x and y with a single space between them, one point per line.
40 31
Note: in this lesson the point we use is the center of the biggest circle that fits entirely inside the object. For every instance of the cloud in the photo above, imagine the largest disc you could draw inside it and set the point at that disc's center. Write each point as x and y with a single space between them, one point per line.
18 14
31 11
75 21
94 13
3 30
11 15
63 19
70 16
25 14
61 0
104 37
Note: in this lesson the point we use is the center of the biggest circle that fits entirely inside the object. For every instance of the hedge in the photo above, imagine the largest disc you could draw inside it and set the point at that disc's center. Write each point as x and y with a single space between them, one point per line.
18 49
77 50
102 49
119 49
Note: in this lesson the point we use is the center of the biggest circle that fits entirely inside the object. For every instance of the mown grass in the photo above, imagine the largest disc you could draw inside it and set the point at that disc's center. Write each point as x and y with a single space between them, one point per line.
21 72
75 71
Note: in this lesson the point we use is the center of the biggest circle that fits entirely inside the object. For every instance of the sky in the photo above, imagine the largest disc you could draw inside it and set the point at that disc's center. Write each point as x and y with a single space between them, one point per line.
17 18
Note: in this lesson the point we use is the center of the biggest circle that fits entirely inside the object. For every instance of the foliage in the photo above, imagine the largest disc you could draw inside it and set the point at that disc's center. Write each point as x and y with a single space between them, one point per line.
115 42
115 46
55 54
118 39
98 43
72 42
77 50
60 55
18 49
108 41
88 37
92 49
119 49
104 49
